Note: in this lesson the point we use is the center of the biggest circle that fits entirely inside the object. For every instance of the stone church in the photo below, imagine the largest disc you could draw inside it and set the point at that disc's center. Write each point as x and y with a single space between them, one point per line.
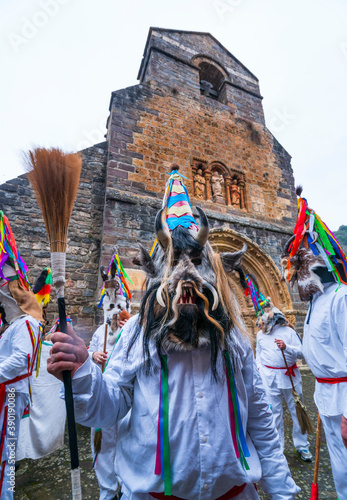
196 105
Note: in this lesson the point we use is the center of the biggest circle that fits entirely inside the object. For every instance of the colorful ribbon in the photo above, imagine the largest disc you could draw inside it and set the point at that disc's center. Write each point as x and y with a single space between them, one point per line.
237 433
162 463
326 245
8 250
258 299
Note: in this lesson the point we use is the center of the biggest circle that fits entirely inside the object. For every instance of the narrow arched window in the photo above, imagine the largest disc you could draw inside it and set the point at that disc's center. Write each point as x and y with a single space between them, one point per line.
211 80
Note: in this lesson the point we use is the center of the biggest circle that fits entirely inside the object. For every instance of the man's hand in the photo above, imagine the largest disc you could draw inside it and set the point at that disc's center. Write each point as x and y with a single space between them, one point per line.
99 357
344 430
280 344
68 353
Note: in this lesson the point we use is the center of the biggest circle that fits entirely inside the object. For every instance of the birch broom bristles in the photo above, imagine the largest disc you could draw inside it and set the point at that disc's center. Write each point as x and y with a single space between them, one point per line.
54 177
304 420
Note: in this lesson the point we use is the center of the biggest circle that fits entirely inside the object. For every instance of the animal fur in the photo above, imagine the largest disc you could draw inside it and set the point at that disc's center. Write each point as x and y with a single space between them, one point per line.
188 302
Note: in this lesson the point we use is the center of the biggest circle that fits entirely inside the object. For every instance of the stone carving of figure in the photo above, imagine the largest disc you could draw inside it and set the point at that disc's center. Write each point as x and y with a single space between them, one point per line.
217 182
235 193
199 185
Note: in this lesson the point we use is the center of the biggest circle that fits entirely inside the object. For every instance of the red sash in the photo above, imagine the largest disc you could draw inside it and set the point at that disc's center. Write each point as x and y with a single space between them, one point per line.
236 490
336 380
290 369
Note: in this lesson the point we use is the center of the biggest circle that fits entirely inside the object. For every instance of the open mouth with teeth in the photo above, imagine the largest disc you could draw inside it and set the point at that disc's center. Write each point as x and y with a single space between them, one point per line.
187 296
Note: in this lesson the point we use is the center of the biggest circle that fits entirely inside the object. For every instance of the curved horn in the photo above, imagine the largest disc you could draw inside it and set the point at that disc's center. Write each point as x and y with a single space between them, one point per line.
159 296
287 244
315 236
162 235
202 235
214 293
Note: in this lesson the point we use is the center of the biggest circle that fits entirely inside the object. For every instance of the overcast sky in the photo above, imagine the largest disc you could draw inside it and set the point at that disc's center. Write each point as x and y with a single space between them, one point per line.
61 59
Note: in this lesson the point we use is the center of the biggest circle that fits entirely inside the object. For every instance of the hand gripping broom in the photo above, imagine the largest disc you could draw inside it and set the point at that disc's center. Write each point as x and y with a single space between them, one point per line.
304 420
54 177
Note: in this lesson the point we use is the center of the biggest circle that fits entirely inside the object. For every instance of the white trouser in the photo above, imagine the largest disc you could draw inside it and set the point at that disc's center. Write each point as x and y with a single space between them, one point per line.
104 465
16 405
275 399
337 452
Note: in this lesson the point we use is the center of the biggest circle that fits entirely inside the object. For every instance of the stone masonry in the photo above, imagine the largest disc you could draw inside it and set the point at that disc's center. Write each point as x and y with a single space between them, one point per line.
195 105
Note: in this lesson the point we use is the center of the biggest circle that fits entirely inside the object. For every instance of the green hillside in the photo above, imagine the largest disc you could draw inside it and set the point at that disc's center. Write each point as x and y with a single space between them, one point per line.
341 235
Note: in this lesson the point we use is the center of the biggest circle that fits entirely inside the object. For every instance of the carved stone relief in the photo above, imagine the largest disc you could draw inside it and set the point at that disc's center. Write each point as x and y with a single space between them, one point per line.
218 184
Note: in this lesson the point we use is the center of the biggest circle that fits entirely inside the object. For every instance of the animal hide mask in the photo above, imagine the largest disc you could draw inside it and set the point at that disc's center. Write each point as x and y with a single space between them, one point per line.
113 303
270 317
188 301
302 270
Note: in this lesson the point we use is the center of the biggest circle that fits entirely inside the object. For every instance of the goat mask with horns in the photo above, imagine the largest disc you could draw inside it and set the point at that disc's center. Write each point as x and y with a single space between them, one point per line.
312 256
188 301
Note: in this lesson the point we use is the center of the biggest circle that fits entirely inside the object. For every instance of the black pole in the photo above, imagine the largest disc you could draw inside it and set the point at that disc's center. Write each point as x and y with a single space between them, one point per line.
70 411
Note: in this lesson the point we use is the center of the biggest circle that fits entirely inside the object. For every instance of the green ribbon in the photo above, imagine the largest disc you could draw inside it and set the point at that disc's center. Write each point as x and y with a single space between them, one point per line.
165 407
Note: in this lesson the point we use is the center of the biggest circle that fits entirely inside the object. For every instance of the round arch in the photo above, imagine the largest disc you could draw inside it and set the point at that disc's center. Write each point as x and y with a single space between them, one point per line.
255 261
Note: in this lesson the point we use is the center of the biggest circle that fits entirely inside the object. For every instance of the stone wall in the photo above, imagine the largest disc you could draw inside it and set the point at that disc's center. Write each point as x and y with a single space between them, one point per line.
19 205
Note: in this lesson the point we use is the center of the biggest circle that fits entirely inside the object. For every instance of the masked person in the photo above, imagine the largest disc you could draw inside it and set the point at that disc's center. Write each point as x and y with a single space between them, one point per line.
200 425
315 260
277 336
19 345
115 299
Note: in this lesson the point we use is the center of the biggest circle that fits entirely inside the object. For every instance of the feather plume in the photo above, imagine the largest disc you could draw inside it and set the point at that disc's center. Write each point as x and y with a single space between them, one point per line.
54 177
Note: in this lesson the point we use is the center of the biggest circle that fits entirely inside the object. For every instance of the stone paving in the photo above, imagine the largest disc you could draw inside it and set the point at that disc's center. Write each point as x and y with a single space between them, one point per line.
49 478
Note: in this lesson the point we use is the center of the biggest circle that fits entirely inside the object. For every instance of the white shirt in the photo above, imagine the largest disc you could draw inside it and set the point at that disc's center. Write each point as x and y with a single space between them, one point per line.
97 342
268 354
203 460
325 347
15 345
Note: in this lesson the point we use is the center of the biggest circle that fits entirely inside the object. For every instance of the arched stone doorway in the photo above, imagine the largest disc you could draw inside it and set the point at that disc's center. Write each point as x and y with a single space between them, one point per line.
258 263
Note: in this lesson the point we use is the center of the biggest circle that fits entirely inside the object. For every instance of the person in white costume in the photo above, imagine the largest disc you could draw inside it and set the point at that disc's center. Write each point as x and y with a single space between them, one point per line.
19 342
115 306
182 382
204 463
42 428
42 431
318 265
276 336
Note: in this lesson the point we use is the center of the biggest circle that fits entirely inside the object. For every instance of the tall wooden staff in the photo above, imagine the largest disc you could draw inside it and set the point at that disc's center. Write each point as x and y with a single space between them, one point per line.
54 177
314 487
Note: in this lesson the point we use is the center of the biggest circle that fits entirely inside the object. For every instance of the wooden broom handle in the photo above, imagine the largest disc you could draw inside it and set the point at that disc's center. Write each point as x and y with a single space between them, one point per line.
291 380
105 343
318 439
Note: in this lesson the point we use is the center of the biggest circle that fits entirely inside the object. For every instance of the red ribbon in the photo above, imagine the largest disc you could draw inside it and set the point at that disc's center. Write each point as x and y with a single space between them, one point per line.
336 380
289 371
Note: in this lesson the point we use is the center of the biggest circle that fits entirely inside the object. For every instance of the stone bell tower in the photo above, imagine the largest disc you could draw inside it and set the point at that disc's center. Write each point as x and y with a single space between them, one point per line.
199 106
196 105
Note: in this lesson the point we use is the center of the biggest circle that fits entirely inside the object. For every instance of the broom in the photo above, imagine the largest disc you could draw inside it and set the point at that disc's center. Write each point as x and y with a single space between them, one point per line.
314 487
54 177
304 420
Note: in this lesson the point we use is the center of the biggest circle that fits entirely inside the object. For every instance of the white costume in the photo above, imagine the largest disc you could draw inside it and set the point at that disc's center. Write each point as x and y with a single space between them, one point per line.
15 346
104 465
277 382
204 464
325 351
42 431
